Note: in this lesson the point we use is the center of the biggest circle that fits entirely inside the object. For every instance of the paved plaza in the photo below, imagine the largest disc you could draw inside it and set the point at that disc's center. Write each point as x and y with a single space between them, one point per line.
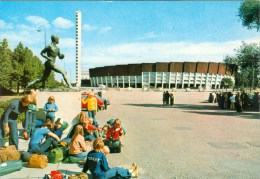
193 139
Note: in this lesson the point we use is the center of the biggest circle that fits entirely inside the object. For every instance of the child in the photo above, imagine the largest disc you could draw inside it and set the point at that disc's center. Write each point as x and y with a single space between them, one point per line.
115 131
78 146
30 117
58 129
97 164
92 106
93 129
51 108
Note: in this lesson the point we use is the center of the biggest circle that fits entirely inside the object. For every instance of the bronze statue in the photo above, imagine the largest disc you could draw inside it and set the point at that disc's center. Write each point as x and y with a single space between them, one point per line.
50 53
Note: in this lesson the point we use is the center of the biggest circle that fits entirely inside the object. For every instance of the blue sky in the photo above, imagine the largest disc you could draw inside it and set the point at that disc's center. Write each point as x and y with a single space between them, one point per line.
119 32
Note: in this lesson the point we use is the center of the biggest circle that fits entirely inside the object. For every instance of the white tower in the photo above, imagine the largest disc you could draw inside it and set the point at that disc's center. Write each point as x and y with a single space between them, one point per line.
78 48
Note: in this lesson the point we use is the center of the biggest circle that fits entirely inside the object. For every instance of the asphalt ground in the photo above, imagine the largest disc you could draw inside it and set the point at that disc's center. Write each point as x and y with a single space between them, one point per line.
191 139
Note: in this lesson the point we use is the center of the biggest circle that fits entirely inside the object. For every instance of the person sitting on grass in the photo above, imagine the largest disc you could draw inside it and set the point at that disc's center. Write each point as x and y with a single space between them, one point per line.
97 164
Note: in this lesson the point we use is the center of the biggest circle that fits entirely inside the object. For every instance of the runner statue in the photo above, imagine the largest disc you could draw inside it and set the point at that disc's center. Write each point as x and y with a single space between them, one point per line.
50 52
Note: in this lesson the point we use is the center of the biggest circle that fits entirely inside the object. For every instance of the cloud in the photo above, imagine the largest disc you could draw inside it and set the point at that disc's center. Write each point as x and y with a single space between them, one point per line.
4 25
148 35
88 27
38 21
161 52
105 29
63 23
67 43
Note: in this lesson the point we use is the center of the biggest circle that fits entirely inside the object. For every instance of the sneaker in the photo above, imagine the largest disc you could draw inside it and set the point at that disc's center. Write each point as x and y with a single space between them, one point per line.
134 170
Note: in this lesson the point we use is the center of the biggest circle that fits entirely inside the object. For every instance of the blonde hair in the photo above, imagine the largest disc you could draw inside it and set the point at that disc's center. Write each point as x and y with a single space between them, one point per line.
82 113
78 131
117 122
26 98
51 98
98 145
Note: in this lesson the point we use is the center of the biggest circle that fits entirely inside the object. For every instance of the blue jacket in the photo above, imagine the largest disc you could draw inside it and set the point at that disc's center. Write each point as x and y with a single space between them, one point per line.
14 109
97 164
49 106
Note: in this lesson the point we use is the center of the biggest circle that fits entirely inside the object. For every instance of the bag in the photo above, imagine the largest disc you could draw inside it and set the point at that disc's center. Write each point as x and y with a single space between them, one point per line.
55 174
57 155
8 153
38 161
10 167
25 156
80 175
114 146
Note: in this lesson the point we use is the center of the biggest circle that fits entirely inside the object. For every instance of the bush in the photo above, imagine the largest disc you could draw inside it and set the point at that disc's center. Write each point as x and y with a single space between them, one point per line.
4 105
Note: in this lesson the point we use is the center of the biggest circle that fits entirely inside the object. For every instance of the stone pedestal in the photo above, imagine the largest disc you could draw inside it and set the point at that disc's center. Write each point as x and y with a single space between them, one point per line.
69 105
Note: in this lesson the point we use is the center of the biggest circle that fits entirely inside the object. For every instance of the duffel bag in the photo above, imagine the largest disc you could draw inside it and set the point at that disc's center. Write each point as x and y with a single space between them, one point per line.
80 175
57 155
10 167
38 161
8 153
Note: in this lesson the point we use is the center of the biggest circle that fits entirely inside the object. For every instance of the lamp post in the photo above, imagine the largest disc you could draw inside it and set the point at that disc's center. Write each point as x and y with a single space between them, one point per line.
39 30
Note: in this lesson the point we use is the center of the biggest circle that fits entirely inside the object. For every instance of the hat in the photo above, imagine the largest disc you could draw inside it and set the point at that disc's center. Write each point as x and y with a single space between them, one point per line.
58 121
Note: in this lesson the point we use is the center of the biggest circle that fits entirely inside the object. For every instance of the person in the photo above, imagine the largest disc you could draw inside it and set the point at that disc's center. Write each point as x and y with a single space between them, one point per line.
98 165
171 99
29 122
8 123
93 130
114 131
92 107
37 145
238 103
167 96
50 53
87 136
58 129
78 147
232 101
163 99
50 108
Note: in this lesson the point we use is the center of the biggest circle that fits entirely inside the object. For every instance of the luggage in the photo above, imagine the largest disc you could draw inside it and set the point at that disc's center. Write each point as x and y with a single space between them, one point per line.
114 145
10 167
55 174
38 161
8 153
80 175
57 155
25 156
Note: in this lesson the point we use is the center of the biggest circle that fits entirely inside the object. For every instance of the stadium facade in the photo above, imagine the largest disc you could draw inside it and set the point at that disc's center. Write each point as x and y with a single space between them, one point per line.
161 75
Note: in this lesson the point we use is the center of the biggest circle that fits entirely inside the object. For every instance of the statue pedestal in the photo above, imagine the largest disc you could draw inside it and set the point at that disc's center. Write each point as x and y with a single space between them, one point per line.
69 105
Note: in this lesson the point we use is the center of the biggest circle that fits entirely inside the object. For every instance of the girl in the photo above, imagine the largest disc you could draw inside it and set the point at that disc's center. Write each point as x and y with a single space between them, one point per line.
78 147
92 107
51 108
115 131
97 164
8 123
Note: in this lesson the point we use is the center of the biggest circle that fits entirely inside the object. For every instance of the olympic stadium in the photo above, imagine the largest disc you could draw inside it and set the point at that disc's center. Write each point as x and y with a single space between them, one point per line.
179 75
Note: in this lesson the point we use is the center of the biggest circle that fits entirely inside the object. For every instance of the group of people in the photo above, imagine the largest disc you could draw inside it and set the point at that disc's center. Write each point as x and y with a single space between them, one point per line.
239 101
85 133
168 98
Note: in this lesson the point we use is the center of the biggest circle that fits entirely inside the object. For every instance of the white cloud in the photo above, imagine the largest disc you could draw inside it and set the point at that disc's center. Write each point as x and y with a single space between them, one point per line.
63 23
105 29
161 52
38 21
88 27
4 25
67 43
148 35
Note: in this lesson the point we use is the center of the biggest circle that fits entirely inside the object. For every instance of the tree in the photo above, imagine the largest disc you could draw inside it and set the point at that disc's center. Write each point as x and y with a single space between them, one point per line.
249 13
227 83
5 65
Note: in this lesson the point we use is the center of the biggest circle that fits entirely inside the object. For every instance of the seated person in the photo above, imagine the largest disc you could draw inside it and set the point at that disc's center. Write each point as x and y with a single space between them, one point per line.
58 129
115 130
93 130
87 136
97 164
36 145
78 147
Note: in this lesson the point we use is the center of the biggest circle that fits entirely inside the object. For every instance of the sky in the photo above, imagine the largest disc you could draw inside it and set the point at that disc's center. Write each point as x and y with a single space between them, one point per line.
128 32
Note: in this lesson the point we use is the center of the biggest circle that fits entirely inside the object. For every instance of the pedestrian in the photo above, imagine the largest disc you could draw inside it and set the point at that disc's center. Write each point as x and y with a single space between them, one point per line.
8 123
167 97
92 107
171 99
238 102
51 108
164 101
98 165
232 101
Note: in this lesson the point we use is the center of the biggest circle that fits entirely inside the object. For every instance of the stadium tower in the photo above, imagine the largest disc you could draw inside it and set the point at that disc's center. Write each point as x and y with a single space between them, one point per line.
78 48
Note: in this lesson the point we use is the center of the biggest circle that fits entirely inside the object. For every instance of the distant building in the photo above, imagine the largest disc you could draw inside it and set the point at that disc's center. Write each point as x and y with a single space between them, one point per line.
78 48
161 75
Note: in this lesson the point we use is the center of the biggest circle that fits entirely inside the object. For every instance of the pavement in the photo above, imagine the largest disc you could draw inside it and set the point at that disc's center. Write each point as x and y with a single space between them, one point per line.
191 139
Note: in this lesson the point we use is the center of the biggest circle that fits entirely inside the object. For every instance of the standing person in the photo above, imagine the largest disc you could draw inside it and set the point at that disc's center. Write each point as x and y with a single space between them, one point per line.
51 108
29 123
8 123
232 99
244 100
171 99
163 99
78 147
50 53
238 102
167 96
92 107
97 164
37 145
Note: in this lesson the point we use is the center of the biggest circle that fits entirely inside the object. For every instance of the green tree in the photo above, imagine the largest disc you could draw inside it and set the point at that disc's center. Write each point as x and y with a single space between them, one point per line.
249 13
227 83
5 65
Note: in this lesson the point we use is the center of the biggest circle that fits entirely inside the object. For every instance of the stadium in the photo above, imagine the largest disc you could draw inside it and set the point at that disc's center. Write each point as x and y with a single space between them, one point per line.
181 75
